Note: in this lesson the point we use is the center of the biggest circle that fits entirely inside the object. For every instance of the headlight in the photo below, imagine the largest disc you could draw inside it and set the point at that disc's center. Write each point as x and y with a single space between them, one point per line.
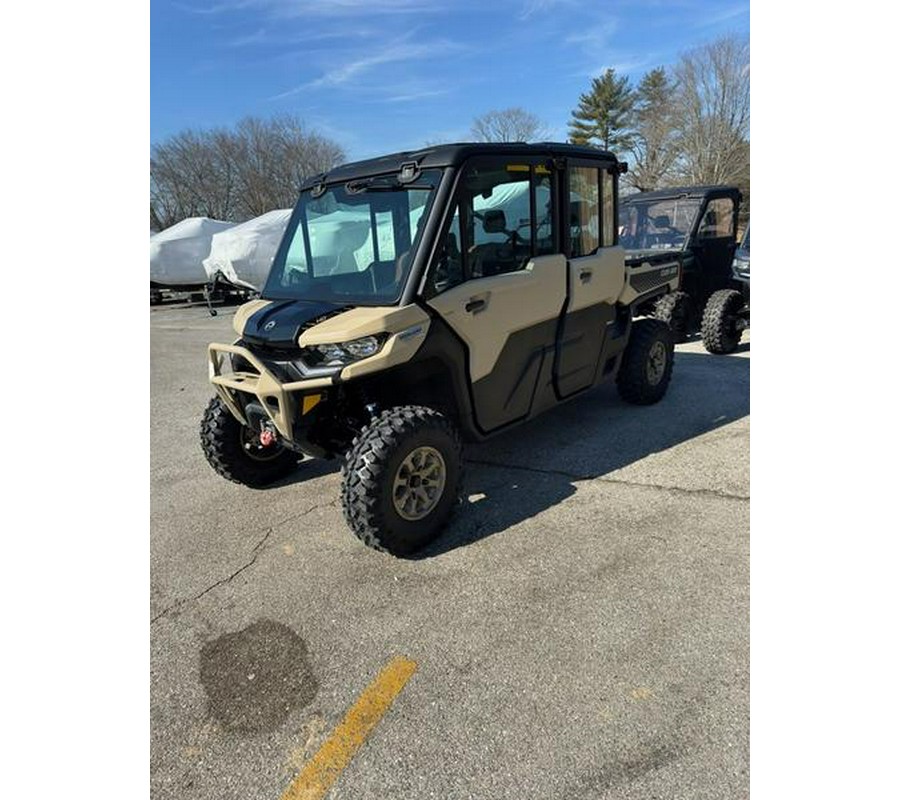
336 355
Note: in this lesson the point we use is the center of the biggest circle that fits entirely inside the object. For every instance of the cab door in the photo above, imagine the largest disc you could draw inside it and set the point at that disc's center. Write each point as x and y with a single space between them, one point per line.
500 283
594 270
714 245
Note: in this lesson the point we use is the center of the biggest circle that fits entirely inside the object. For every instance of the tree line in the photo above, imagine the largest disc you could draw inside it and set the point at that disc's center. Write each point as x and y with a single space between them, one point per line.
689 125
235 174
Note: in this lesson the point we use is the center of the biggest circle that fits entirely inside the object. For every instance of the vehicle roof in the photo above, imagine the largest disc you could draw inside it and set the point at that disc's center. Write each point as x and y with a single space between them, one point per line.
680 191
447 155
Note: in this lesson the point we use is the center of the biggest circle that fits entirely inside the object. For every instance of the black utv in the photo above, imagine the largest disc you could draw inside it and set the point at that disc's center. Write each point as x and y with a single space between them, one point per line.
694 227
426 298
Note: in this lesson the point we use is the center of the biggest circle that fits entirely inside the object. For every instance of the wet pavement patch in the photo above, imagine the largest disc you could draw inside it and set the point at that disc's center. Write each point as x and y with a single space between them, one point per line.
255 677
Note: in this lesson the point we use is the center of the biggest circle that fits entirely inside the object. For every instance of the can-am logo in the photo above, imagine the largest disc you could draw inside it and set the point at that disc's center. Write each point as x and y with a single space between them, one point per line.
269 325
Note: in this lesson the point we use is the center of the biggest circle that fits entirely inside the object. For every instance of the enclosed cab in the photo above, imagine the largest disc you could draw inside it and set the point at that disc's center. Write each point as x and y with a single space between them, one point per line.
428 297
692 228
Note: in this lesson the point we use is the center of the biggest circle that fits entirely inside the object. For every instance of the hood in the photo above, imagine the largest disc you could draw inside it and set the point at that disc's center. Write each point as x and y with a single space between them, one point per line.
279 324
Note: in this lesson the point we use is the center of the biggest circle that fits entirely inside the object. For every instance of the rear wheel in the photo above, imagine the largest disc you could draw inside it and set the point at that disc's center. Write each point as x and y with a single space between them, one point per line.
646 368
402 478
235 452
720 330
676 310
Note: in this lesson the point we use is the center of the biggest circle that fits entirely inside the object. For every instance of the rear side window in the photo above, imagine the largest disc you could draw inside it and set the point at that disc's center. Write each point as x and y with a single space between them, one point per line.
608 214
584 211
718 219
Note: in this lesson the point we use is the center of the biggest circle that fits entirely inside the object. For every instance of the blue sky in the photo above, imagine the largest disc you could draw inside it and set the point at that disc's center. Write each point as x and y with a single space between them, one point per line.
385 75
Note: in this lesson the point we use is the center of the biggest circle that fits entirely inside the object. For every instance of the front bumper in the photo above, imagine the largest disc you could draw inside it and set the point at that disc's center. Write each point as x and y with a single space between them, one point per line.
281 401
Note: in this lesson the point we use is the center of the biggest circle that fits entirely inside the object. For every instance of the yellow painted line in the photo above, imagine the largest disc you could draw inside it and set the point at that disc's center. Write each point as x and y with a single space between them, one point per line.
326 766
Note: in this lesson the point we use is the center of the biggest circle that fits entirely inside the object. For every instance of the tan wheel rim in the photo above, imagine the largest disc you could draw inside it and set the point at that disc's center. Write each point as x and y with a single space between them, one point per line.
656 363
419 483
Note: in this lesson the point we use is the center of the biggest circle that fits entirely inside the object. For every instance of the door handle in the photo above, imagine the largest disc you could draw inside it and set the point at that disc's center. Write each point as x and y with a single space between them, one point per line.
475 305
585 275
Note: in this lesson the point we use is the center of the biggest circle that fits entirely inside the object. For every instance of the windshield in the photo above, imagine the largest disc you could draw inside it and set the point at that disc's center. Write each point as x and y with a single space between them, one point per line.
355 243
659 225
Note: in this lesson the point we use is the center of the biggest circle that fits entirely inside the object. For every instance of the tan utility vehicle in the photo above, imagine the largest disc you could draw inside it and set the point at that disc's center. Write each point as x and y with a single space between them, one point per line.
426 298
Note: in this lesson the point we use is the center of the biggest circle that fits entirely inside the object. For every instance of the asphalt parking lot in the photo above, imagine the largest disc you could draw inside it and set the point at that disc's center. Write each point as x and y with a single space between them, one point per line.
581 631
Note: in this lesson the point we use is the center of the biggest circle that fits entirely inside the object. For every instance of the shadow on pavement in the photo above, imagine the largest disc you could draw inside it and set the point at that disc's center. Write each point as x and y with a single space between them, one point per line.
532 468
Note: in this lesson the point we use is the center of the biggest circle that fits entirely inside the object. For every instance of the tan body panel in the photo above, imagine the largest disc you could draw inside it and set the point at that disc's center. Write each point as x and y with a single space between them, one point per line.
244 313
514 301
605 271
363 321
400 348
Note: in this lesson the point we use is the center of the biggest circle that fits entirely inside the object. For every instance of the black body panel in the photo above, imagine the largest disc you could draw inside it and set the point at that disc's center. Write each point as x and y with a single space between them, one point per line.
508 392
708 269
454 155
279 324
580 347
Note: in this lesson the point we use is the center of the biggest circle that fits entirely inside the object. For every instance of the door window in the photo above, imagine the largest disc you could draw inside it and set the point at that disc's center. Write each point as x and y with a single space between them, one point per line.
503 216
718 220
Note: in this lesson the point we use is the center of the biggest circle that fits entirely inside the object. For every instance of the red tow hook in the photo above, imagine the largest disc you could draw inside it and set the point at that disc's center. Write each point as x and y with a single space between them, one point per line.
266 438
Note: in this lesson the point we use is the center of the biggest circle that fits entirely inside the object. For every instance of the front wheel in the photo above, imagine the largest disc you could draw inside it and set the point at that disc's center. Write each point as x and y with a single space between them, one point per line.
720 331
646 367
402 478
234 450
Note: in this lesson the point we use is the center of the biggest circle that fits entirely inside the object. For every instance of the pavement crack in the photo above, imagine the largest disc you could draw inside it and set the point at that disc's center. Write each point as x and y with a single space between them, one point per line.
254 554
717 493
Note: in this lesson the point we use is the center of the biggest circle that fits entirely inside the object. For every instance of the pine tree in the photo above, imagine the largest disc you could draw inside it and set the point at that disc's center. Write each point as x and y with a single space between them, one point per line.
604 115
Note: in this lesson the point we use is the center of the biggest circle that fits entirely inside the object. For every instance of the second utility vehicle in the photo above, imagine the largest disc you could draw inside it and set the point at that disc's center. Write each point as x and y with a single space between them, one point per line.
694 227
424 298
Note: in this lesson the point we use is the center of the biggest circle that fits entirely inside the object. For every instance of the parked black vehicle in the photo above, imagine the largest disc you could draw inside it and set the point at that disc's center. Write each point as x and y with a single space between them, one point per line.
727 313
694 227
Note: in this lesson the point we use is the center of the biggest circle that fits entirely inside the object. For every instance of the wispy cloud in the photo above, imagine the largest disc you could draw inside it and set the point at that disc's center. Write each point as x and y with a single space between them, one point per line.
532 7
416 95
313 8
257 37
596 36
398 51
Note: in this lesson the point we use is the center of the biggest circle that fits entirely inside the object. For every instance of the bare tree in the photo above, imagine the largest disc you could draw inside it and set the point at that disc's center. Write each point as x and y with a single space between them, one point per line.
712 112
235 174
508 125
654 142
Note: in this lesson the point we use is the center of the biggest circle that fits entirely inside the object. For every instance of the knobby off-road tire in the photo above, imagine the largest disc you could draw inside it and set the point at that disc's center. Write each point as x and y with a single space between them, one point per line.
379 474
646 367
719 328
223 439
676 310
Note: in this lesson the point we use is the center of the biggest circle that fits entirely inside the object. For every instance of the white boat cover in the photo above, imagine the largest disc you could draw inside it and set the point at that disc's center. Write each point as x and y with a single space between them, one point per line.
177 253
244 253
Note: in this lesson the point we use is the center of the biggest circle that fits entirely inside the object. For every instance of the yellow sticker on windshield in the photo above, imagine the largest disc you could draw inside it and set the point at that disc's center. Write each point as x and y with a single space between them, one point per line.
517 168
540 169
